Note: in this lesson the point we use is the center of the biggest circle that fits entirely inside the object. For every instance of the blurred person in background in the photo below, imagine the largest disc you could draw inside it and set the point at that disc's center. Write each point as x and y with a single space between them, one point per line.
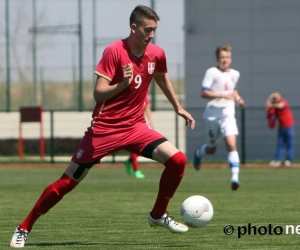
124 74
132 164
278 109
219 87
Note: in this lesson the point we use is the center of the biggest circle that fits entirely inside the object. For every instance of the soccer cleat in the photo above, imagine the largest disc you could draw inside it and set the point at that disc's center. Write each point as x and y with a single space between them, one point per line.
235 185
167 222
275 164
287 163
139 175
128 167
19 238
197 160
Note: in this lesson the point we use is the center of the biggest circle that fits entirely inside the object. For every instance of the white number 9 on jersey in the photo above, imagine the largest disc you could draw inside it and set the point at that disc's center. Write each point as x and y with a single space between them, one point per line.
138 81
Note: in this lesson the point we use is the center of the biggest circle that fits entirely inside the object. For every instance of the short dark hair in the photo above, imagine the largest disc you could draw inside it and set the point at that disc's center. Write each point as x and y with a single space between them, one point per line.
141 12
226 48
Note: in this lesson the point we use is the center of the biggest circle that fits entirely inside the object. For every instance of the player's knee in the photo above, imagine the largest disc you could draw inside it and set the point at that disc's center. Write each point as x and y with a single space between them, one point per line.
133 157
211 150
65 184
176 163
231 148
81 169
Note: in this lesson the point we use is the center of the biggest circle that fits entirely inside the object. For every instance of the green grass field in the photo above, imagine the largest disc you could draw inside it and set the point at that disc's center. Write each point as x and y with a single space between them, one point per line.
109 209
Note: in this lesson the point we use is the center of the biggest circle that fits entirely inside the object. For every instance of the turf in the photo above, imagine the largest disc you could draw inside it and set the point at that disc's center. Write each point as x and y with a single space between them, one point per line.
109 209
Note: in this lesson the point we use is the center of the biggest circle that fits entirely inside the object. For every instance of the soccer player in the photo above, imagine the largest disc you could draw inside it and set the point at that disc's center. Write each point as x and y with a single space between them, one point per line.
278 108
219 87
123 77
131 164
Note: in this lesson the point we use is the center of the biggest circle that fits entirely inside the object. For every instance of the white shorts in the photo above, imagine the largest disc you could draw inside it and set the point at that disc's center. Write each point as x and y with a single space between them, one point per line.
217 128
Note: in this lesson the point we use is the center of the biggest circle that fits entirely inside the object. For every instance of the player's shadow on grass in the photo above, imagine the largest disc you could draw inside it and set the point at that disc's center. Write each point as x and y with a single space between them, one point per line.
49 244
76 243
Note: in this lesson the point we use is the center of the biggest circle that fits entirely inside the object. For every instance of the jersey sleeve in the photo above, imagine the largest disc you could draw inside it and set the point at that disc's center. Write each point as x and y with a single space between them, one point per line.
108 64
271 116
286 104
207 80
237 77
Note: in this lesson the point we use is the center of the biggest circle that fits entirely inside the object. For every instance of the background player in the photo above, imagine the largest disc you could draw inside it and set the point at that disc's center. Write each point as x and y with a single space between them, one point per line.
219 86
123 74
132 165
278 108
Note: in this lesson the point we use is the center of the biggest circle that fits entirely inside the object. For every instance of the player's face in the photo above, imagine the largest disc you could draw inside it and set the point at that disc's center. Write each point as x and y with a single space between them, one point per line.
224 60
144 32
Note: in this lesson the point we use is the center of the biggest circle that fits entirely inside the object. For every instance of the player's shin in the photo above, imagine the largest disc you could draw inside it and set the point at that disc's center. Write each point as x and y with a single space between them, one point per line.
49 198
134 162
234 164
169 182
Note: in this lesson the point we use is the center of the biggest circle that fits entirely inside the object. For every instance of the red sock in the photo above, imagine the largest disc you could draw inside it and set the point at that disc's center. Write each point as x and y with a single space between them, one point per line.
169 181
51 195
134 162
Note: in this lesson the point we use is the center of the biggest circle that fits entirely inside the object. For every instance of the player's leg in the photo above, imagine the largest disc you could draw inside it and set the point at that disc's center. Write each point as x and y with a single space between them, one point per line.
233 160
151 144
128 167
51 195
135 165
276 162
133 159
229 131
86 152
132 166
174 162
212 135
56 191
290 143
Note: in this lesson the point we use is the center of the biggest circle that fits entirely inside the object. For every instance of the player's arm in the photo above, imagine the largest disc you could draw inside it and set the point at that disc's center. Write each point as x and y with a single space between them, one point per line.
163 81
268 104
148 115
274 101
239 100
206 91
103 90
279 105
271 116
208 94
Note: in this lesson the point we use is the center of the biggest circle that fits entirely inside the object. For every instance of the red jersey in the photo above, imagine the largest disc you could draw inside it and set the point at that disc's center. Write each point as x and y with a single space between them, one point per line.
127 107
284 116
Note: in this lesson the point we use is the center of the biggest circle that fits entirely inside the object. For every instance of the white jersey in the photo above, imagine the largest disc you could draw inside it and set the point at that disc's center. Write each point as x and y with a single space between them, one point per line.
220 82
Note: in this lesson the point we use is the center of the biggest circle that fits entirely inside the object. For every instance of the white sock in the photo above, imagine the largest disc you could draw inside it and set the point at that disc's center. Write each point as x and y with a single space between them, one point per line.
234 164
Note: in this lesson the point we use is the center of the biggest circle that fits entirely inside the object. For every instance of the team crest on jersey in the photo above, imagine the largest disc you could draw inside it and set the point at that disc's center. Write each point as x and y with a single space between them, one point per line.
151 67
79 153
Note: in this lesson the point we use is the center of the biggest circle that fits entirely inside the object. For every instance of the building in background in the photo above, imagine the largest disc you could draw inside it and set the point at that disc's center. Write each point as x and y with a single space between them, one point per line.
265 37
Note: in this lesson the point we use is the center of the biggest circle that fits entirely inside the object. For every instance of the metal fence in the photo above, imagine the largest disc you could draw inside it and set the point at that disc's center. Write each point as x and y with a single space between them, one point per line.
47 57
64 130
63 93
256 142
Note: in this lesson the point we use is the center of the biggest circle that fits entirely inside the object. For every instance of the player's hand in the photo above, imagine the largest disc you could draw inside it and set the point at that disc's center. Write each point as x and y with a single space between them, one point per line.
188 118
151 125
229 96
127 73
241 102
268 105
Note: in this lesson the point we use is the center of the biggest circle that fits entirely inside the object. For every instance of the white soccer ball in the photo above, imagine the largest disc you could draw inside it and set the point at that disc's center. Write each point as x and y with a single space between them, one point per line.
196 211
